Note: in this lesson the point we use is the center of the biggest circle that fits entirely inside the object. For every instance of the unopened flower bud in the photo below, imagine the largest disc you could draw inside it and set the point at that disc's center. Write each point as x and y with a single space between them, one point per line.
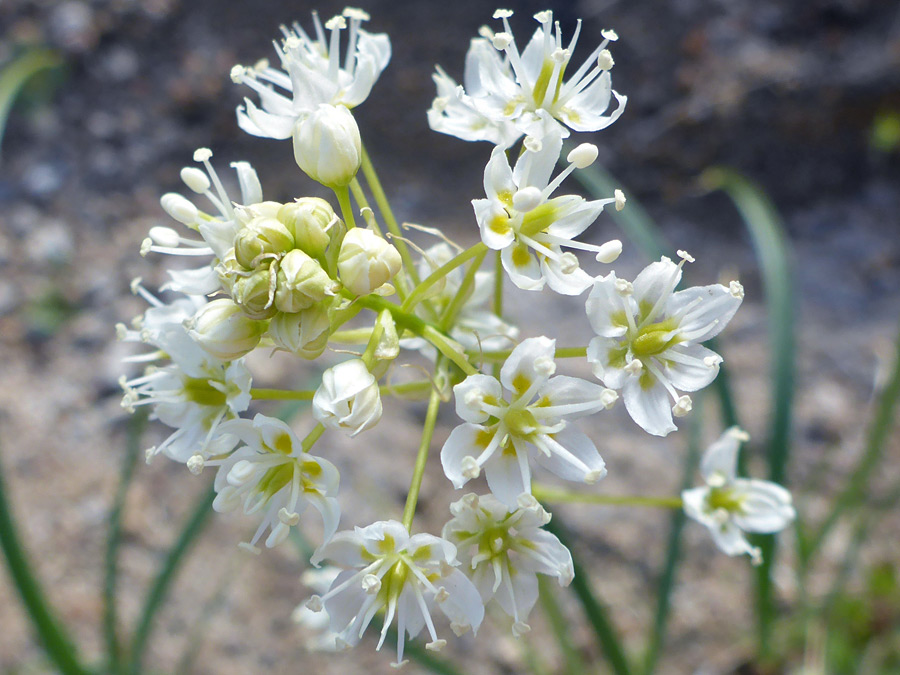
327 146
303 333
229 270
301 282
348 398
255 294
224 331
261 239
310 220
366 261
180 209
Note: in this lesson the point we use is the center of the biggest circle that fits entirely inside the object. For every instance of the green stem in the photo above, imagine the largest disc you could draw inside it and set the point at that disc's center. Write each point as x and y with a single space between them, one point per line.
551 495
412 497
312 437
160 588
15 75
462 294
281 394
560 353
384 206
56 642
419 292
594 610
343 197
673 549
351 336
136 427
877 434
360 196
562 631
448 347
498 297
406 388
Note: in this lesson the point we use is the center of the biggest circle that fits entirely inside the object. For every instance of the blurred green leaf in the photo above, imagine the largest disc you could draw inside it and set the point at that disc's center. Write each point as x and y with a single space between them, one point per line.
16 74
884 135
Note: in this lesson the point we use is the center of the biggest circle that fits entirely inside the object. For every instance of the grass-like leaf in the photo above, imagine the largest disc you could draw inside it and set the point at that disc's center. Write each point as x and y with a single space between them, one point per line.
50 631
16 74
773 253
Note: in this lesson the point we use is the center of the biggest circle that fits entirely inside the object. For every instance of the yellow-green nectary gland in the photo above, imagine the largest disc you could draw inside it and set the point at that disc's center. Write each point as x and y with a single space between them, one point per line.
724 498
199 391
520 422
543 83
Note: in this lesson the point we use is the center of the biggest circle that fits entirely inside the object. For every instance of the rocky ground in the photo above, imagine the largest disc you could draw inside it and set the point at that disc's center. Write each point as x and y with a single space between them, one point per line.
787 93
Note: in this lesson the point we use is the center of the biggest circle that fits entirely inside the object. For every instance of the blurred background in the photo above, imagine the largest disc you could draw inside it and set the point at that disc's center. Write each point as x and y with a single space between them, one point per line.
802 98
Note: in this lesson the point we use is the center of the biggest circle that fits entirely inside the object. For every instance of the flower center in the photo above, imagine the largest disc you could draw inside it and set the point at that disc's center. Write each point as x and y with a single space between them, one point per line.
725 498
199 391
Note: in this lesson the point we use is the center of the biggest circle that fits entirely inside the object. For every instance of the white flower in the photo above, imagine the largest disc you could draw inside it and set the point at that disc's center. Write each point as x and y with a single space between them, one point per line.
648 337
194 394
327 146
503 551
520 218
366 261
504 94
318 635
730 506
271 474
312 74
217 229
223 330
348 398
403 576
533 422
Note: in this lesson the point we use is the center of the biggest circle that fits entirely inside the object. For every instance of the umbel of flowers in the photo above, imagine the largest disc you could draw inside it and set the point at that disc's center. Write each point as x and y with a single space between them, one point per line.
339 282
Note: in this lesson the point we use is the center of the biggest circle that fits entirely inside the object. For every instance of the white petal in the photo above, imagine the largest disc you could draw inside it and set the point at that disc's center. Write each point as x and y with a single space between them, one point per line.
524 586
656 279
504 475
575 282
486 212
251 190
563 390
258 122
690 367
766 506
719 464
466 440
343 606
605 308
345 549
472 393
464 605
580 459
607 359
650 407
528 363
522 267
709 316
498 176
730 539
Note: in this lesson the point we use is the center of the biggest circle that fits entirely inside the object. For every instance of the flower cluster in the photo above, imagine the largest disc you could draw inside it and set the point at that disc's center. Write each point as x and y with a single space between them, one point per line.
303 278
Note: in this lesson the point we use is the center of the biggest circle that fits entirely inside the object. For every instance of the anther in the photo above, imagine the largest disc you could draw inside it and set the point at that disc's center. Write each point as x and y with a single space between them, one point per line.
605 60
336 23
503 13
712 361
314 604
526 199
739 434
520 628
471 500
441 595
624 287
620 200
202 154
501 41
532 144
684 255
559 55
195 464
682 406
583 156
436 645
568 262
609 397
544 17
736 290
526 501
356 13
164 236
146 245
486 32
135 285
609 252
195 179
609 34
634 367
179 208
544 365
237 73
592 477
289 518
459 629
371 584
470 468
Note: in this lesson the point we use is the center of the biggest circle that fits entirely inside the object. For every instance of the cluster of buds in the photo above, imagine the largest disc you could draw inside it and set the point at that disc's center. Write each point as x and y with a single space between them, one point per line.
295 276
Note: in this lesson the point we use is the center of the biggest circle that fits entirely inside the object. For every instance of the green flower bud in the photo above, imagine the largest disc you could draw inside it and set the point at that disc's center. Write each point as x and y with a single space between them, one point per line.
366 261
256 294
229 270
301 282
224 331
303 333
261 239
311 221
